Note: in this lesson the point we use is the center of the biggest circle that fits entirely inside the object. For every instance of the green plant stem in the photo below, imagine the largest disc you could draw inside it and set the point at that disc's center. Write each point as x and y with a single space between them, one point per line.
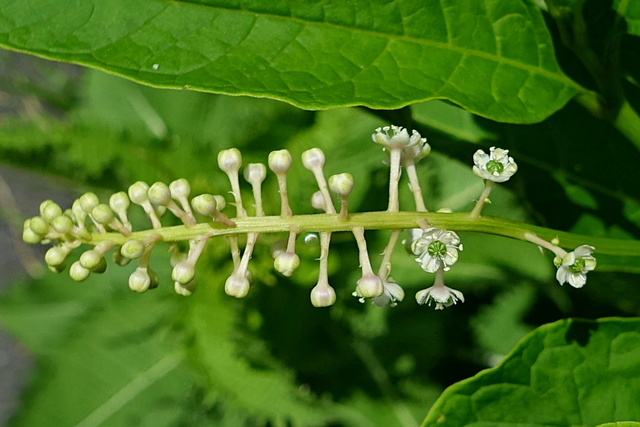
628 123
380 221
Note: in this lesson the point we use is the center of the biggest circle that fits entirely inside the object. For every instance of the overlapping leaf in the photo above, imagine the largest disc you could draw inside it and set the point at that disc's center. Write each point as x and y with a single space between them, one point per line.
493 58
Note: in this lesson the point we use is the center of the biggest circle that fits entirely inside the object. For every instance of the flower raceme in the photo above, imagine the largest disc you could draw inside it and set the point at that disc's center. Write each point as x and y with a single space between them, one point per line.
106 226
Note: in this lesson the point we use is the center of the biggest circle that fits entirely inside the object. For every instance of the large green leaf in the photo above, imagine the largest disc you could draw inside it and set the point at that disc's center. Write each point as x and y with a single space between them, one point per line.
493 58
569 373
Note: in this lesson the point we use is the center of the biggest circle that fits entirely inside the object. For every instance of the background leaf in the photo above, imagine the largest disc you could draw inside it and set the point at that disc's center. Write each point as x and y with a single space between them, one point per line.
572 372
496 60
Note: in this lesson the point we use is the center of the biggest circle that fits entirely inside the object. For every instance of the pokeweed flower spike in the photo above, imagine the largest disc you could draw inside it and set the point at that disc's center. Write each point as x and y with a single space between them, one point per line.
397 141
572 267
436 250
494 167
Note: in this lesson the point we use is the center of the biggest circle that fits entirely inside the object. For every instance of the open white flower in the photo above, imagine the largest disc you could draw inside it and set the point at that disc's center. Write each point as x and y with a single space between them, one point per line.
436 247
574 266
392 294
496 166
442 295
397 137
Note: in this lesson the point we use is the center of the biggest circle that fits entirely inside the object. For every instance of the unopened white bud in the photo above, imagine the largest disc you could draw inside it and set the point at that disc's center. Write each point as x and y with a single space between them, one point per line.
90 259
78 273
313 158
138 192
88 201
323 295
55 256
255 173
205 204
286 263
184 290
62 224
119 202
159 194
221 202
180 188
140 280
280 161
102 214
132 249
317 201
183 272
341 184
39 225
50 210
369 286
237 285
30 236
230 160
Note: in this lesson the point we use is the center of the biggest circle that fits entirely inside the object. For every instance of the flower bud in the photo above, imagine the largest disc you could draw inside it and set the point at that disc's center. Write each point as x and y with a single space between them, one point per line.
280 161
55 256
30 236
183 272
138 192
78 272
38 225
255 173
102 214
180 188
205 204
230 160
88 201
50 210
313 158
322 295
286 263
90 259
341 184
101 267
132 249
120 202
317 201
369 286
62 224
184 290
237 286
120 259
221 201
159 194
140 280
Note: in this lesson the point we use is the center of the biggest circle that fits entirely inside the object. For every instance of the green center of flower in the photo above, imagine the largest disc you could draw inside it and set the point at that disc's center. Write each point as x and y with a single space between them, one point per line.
578 266
495 167
437 249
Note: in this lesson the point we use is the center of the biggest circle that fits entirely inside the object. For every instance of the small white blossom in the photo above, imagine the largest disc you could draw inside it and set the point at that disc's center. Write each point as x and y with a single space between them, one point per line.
397 137
436 247
496 166
442 295
574 266
392 294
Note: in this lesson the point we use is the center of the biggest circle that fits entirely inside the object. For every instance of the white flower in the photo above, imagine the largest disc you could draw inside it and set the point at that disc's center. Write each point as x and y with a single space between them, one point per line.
574 266
392 294
496 166
442 295
436 247
396 137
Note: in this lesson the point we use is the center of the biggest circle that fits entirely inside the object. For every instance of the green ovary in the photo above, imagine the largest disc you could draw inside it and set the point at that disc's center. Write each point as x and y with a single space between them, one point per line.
495 167
578 266
437 249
